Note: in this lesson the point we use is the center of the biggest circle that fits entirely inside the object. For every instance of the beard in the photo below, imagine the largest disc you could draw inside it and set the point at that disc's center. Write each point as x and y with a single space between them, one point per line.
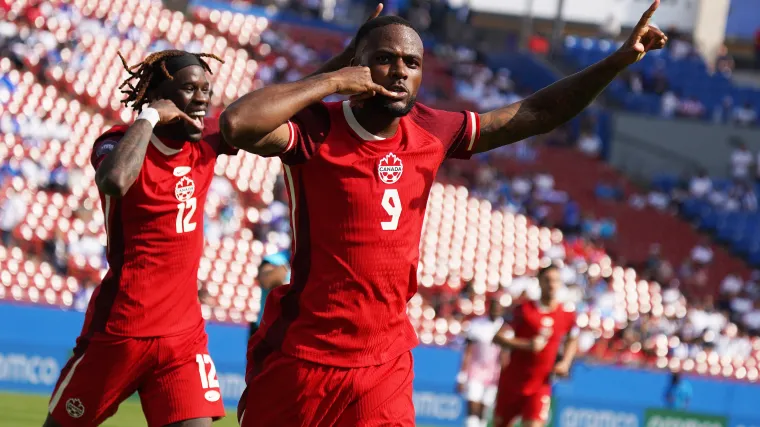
383 105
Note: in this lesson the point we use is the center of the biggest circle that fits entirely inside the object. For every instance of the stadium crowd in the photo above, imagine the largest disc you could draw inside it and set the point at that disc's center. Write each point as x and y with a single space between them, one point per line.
626 317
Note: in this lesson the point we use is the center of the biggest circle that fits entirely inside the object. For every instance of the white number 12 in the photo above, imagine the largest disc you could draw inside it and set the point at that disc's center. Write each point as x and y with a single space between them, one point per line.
392 204
184 222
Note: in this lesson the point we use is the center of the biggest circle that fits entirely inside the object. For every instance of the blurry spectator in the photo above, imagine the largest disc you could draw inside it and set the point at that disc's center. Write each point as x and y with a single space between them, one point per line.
723 112
82 297
571 218
700 185
589 142
274 271
635 82
691 108
658 199
741 162
752 318
608 191
59 179
724 63
611 27
679 392
746 197
669 104
12 212
745 115
658 82
10 168
702 253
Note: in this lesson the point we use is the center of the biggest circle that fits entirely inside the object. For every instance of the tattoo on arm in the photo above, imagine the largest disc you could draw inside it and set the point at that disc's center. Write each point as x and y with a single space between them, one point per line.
548 108
119 169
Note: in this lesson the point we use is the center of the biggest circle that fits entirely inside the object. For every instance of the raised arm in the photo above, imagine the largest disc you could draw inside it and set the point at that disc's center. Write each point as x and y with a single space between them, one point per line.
257 122
556 104
119 169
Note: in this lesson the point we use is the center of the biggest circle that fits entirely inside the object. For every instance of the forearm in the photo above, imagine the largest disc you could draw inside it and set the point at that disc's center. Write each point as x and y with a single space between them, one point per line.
571 349
256 114
510 342
335 63
119 169
550 107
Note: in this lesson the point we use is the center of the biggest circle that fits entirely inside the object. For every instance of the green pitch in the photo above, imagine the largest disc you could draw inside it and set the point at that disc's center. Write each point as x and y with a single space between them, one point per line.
29 410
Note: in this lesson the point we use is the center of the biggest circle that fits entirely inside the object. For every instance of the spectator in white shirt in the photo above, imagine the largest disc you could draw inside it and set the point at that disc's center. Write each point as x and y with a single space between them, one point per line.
741 161
745 115
669 104
589 142
731 284
691 108
702 253
700 185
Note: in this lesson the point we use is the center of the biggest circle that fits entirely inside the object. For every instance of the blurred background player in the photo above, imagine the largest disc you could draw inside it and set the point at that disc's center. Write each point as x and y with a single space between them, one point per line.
534 336
481 364
274 271
359 173
143 330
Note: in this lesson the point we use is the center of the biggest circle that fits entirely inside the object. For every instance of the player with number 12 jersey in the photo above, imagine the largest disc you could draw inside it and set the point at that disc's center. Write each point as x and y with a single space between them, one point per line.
143 330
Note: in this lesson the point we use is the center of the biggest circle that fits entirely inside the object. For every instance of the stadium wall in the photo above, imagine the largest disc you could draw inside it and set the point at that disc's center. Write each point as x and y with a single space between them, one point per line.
35 343
645 145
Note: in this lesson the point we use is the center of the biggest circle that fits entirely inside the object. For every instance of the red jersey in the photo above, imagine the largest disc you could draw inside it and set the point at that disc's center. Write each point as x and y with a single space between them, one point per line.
357 204
155 238
528 371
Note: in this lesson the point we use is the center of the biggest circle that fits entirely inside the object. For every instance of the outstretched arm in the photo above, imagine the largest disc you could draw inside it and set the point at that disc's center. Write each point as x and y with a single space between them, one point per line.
257 122
563 100
119 169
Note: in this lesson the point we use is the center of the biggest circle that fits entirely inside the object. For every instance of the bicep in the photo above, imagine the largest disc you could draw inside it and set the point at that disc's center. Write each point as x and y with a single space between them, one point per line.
507 125
273 144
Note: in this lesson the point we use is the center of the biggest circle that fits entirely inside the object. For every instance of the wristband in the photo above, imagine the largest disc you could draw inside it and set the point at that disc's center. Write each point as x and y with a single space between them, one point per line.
462 377
149 114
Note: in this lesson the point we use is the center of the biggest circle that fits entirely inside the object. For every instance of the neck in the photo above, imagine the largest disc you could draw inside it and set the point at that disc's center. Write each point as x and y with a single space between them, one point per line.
376 122
548 302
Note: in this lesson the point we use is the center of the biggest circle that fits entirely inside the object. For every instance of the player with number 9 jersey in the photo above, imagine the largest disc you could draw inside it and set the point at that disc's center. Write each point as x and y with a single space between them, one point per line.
143 330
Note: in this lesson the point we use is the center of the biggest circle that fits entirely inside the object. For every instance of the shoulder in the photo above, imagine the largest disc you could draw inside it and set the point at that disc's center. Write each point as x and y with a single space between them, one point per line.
447 126
113 134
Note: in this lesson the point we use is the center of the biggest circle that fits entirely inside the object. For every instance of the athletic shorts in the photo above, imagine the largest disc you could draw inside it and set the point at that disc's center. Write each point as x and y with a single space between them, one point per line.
284 391
175 377
479 392
512 404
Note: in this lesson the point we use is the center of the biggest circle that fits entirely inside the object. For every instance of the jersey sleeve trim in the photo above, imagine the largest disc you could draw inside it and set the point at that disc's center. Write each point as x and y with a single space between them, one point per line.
474 129
291 137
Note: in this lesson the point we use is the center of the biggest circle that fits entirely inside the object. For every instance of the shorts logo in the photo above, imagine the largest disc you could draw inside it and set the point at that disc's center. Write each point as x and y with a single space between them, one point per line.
75 408
212 395
390 169
184 189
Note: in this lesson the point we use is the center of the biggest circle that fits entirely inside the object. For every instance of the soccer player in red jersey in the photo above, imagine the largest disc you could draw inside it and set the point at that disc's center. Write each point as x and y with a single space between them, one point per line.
534 335
334 345
143 330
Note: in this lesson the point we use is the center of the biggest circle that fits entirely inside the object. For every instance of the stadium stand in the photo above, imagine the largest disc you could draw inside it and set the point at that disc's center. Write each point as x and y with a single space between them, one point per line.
481 234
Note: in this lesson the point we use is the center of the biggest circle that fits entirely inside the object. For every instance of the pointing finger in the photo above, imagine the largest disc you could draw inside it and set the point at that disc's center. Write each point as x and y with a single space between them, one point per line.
647 16
189 120
376 13
383 91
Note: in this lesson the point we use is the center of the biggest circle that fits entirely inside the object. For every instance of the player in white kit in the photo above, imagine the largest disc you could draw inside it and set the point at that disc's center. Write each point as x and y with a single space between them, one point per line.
478 378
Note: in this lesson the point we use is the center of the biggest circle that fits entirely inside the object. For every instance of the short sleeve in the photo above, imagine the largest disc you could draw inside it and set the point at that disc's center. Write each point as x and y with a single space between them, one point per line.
308 130
214 138
458 131
103 145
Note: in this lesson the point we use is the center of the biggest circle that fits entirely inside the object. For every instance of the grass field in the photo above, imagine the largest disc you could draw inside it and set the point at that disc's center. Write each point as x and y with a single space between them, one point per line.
29 410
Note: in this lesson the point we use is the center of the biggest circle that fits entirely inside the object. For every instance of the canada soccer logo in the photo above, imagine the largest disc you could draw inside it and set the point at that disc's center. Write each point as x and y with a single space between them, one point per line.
390 169
184 189
75 408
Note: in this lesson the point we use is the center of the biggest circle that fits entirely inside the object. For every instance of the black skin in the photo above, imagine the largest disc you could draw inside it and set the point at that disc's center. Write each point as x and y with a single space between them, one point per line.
392 55
188 91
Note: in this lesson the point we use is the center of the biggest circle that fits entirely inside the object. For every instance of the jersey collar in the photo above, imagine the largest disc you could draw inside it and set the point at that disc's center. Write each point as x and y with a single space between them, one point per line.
356 127
163 148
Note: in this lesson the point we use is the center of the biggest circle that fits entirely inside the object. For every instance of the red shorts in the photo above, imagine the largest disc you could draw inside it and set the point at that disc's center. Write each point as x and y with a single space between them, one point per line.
285 391
174 375
532 407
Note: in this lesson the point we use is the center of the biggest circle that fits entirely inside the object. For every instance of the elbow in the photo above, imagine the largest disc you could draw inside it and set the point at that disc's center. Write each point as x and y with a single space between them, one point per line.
111 183
229 128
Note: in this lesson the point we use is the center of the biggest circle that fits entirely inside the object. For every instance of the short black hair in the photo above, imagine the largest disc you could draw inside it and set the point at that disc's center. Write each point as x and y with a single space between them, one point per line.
379 22
543 270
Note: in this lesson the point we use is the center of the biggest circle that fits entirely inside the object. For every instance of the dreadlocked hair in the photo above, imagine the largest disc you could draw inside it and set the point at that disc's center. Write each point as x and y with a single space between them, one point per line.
145 72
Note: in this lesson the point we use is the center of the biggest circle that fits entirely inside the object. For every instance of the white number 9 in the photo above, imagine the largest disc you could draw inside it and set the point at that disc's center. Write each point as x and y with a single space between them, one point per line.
392 204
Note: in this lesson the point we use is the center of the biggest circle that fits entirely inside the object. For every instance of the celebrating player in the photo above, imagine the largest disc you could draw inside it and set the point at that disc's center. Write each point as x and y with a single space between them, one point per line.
334 345
481 365
534 335
143 330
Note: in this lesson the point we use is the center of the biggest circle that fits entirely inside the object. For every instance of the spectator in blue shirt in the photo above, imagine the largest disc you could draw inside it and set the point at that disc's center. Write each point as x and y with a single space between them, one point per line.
679 392
274 271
